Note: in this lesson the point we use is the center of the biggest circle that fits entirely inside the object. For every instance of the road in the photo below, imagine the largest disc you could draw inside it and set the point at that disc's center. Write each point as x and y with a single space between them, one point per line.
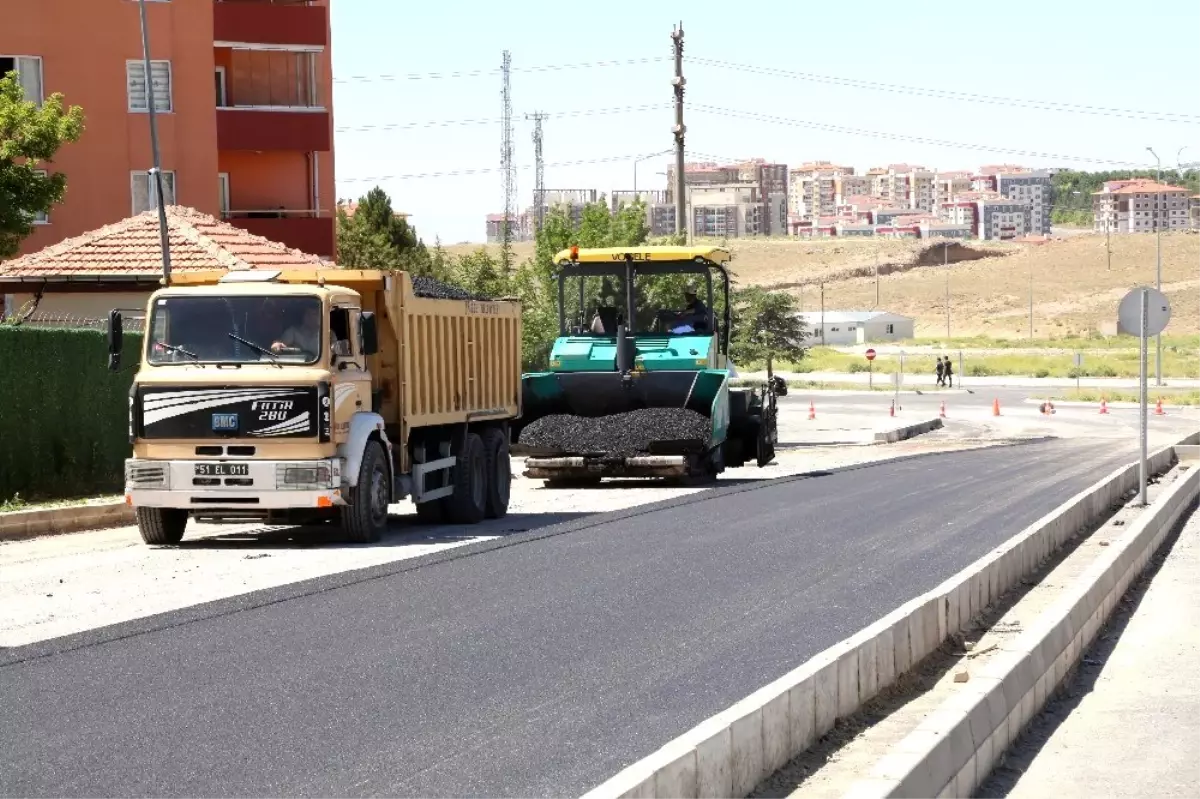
536 665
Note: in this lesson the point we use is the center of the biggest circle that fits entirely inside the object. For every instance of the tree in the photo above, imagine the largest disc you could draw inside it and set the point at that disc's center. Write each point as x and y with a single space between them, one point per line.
30 135
765 323
374 237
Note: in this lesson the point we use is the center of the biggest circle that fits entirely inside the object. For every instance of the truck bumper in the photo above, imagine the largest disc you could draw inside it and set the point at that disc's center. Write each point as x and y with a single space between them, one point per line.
551 468
262 485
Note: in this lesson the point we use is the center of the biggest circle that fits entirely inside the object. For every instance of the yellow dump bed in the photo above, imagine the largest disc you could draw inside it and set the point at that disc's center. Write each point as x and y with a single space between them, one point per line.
440 361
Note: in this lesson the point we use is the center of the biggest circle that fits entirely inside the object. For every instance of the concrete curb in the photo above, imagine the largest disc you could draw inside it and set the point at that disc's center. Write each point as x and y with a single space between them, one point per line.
908 431
731 752
955 748
20 524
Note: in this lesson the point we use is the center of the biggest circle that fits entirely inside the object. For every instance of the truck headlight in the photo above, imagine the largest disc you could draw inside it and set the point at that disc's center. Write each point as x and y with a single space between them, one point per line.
303 476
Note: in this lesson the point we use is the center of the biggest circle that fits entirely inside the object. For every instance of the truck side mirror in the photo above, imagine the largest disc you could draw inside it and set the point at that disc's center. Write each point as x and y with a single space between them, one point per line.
116 340
370 334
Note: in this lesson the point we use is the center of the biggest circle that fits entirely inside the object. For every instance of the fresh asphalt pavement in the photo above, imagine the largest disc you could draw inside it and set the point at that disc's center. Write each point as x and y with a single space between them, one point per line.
537 665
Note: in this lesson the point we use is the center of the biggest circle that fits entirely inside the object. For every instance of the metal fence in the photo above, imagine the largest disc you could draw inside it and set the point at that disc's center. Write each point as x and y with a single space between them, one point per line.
70 322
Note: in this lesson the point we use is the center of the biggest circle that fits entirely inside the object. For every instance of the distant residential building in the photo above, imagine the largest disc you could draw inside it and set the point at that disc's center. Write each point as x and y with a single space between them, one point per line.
520 227
813 188
660 214
948 185
1032 187
703 173
1194 212
840 328
1139 206
734 210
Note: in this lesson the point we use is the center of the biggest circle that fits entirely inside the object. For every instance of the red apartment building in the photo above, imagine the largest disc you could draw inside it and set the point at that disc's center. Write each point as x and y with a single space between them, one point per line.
243 91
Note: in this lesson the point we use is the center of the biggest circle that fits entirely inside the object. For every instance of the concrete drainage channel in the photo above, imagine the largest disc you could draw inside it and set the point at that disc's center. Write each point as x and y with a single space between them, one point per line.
953 749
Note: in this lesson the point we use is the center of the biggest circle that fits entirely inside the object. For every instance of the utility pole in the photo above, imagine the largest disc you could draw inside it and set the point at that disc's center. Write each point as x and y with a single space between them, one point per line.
156 172
1031 301
680 178
822 312
946 265
507 168
539 185
1158 219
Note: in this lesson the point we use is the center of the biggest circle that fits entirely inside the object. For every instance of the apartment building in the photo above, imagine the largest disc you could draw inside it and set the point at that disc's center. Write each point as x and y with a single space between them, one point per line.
948 185
1194 212
243 95
847 185
660 214
522 227
701 173
1139 206
734 210
1035 188
813 189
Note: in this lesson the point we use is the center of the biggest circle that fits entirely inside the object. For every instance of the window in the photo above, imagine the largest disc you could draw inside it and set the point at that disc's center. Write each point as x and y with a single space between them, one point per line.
29 74
223 192
219 77
41 219
145 195
160 75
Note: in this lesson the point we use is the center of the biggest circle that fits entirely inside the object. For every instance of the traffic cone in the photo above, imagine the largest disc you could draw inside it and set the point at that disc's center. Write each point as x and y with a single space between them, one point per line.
942 412
996 407
812 411
1103 405
1158 411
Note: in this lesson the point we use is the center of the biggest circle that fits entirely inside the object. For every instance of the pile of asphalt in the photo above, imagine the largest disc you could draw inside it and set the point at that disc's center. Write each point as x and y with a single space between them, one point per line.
622 434
435 289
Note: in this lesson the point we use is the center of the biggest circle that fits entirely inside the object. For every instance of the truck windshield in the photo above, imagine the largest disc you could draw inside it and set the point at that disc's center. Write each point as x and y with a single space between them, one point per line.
235 330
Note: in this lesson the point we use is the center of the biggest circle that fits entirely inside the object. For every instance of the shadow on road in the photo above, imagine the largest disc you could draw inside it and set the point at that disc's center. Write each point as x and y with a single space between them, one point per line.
403 531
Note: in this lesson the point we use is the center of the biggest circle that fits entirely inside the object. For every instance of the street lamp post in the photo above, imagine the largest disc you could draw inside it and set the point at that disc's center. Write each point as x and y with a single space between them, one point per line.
1158 200
636 161
156 172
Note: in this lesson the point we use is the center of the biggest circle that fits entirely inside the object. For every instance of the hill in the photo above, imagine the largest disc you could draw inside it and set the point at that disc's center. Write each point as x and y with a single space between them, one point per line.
1074 291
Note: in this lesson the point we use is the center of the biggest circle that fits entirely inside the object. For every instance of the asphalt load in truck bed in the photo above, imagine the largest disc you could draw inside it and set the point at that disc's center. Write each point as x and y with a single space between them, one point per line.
436 289
622 434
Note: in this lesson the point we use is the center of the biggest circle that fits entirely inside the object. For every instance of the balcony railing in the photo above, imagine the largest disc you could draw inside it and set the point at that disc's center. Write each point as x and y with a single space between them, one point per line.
309 231
270 22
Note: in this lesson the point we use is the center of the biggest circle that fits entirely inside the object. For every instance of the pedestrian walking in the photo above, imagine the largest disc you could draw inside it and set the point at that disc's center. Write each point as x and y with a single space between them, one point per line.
948 370
940 370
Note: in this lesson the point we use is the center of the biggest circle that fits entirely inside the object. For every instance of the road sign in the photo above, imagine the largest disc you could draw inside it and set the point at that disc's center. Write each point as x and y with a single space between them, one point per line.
870 354
1129 312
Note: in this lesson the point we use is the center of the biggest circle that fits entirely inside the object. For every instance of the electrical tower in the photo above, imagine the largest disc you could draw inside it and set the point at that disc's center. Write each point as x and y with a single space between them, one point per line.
539 169
507 168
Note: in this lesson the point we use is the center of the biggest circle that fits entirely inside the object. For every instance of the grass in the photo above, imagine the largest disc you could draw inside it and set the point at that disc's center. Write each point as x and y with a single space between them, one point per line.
1188 398
1176 363
1074 343
20 503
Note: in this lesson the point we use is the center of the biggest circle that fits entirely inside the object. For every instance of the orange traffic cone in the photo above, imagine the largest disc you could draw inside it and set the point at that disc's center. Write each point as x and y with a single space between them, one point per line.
812 411
1103 405
996 407
942 412
1158 411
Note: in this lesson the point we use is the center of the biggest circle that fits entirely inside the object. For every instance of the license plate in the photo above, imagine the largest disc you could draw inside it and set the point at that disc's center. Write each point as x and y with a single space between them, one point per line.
222 470
224 422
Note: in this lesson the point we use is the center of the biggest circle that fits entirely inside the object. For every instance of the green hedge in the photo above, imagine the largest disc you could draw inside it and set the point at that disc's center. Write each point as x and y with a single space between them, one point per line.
64 418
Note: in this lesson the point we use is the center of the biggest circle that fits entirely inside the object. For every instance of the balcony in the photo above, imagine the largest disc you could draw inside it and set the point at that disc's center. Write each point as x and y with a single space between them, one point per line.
271 100
274 22
307 231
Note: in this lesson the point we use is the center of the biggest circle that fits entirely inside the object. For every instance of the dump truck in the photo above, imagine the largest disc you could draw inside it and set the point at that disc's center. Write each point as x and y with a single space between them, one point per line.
631 358
318 395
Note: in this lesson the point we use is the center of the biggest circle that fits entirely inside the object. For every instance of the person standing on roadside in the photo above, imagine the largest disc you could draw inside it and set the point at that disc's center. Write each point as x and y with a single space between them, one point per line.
940 371
948 370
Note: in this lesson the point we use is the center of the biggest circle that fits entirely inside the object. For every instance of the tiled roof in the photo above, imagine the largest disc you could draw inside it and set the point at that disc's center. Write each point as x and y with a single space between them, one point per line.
133 247
1142 186
860 200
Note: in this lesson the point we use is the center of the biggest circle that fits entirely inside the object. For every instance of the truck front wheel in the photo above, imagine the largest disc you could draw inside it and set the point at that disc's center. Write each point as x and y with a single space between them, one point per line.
365 520
162 526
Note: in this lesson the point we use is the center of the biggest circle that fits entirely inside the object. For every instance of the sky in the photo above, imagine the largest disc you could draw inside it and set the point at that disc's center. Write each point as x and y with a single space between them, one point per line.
789 87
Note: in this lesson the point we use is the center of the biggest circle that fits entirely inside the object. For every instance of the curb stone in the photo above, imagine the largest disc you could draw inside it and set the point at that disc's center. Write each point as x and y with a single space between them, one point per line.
21 524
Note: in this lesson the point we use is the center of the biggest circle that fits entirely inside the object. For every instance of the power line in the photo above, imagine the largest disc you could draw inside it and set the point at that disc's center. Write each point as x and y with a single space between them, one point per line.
492 169
1043 105
478 73
802 123
444 123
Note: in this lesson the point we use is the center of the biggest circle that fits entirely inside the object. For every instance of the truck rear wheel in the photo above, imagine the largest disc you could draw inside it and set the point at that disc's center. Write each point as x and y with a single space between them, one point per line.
499 471
468 503
161 525
364 521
